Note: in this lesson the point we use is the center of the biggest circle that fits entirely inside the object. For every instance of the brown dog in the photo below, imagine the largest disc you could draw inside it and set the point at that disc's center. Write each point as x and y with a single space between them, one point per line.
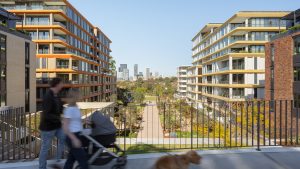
178 161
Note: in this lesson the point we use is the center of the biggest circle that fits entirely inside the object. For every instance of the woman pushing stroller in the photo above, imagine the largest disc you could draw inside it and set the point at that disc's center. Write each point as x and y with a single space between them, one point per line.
72 125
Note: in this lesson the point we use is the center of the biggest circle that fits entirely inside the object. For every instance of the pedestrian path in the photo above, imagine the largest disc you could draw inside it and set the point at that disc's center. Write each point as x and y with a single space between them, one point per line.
151 125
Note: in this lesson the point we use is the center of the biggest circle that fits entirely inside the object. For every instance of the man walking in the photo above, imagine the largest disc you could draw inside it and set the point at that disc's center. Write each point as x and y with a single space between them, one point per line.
50 122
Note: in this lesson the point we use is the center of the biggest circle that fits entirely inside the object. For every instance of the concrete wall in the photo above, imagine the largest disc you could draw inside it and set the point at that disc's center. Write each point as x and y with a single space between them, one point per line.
16 72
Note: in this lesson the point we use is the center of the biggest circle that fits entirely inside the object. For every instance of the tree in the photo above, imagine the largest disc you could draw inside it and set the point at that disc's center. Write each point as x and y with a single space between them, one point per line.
139 94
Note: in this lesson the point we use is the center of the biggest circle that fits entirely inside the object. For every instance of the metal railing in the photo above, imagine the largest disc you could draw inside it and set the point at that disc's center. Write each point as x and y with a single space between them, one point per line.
160 127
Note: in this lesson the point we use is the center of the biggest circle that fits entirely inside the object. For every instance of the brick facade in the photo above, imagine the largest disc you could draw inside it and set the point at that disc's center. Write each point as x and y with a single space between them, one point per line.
283 68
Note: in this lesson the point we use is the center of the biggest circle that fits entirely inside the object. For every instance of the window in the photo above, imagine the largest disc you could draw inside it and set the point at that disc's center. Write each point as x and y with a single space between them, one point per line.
238 64
272 53
33 35
238 92
43 35
3 79
255 78
297 45
30 20
296 73
27 101
257 49
43 49
238 78
27 78
255 93
44 63
27 53
3 48
255 63
297 100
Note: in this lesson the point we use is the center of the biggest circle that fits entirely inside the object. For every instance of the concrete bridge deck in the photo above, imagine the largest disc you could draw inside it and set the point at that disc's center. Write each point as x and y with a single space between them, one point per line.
268 158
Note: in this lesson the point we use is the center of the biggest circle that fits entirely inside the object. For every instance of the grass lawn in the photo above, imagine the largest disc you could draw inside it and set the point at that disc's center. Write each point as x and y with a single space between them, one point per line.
147 148
150 98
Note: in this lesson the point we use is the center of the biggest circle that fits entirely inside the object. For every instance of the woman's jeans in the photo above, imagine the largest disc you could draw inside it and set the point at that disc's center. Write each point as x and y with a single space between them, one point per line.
76 154
46 138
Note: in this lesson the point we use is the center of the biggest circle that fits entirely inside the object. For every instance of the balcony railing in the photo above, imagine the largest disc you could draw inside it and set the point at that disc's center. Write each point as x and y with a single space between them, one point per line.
238 82
224 81
60 38
60 24
62 66
37 23
239 67
60 52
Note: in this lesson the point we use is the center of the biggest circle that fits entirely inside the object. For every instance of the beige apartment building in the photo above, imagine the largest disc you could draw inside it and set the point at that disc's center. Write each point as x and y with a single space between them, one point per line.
17 65
232 56
68 46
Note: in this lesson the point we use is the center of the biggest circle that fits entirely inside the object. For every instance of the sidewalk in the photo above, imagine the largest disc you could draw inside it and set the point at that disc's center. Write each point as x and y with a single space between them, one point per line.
268 158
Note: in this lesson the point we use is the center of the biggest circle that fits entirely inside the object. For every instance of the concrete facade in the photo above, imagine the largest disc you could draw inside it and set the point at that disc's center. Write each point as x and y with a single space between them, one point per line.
232 56
182 81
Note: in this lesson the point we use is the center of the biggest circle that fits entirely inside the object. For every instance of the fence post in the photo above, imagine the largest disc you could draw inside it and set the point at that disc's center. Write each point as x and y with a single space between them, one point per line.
258 126
125 130
191 126
164 116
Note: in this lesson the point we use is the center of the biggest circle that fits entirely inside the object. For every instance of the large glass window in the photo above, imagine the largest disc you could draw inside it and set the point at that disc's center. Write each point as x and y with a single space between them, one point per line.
43 49
33 35
257 49
3 70
43 35
238 79
33 20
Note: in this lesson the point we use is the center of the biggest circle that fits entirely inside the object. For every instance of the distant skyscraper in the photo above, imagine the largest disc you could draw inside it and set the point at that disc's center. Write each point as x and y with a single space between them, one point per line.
156 75
147 73
125 74
122 67
136 69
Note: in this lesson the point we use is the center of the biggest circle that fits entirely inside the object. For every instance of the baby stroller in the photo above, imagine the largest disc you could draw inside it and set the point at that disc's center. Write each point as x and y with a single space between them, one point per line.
99 142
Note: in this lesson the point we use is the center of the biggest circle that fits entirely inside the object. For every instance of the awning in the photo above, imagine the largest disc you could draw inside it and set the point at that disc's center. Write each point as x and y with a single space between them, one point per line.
94 105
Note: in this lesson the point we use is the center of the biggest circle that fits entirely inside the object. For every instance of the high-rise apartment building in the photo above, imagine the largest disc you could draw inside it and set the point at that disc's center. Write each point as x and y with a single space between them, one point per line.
148 76
182 81
136 70
156 75
17 65
232 56
283 62
68 46
122 67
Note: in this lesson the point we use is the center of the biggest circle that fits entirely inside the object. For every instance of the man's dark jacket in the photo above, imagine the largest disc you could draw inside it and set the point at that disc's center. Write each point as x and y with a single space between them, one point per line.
51 114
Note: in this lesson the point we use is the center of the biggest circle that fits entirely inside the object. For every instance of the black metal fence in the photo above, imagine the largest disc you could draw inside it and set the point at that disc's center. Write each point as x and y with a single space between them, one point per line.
169 127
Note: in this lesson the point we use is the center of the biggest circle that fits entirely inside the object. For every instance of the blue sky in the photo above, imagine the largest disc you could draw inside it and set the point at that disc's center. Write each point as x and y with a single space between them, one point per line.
157 33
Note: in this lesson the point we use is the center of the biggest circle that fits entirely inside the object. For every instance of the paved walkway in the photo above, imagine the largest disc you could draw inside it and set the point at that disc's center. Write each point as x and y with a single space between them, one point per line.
268 158
151 126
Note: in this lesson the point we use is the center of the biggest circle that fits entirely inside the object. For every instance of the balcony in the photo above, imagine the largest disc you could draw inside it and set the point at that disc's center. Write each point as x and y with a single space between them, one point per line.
240 81
60 52
238 67
37 23
60 38
225 81
60 24
62 66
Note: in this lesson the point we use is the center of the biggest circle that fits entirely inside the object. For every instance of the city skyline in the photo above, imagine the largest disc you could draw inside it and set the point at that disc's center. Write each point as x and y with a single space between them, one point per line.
145 22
